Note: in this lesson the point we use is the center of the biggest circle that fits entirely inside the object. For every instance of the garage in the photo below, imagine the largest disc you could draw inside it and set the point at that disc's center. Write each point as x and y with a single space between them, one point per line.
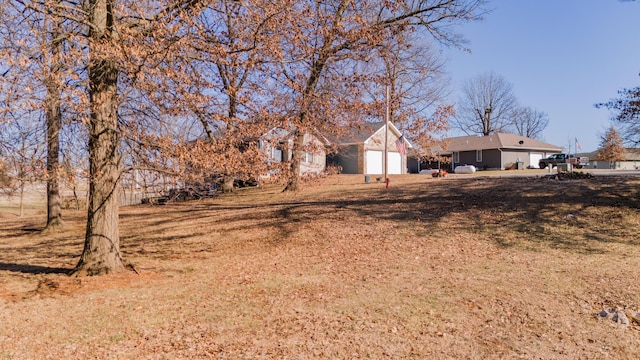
374 162
395 163
375 166
534 158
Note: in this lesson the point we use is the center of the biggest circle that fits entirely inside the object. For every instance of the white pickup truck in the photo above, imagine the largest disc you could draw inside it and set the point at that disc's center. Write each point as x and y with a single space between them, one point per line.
553 160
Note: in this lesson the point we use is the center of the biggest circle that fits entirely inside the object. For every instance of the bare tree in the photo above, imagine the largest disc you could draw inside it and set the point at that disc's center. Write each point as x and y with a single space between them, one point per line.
611 148
486 105
53 114
413 70
23 165
529 122
33 80
626 110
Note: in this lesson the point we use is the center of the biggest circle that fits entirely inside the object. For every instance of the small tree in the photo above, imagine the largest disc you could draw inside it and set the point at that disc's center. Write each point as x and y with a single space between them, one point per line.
611 148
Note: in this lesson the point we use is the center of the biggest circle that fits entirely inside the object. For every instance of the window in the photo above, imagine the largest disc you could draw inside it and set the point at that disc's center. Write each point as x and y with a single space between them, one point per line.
478 155
308 157
276 154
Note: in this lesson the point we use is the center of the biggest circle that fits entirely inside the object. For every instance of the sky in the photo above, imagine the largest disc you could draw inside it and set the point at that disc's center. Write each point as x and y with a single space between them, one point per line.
560 56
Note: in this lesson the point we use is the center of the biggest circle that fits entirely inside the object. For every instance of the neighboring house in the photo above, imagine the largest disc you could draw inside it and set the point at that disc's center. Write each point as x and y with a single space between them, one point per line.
361 151
631 161
499 151
277 144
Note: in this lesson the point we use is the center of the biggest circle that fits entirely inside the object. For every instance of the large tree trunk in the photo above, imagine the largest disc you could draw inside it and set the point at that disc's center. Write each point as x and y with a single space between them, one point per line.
53 119
101 254
294 177
54 214
298 141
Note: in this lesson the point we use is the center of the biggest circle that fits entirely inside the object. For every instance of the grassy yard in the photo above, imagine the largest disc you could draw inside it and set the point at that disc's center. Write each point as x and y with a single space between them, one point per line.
460 267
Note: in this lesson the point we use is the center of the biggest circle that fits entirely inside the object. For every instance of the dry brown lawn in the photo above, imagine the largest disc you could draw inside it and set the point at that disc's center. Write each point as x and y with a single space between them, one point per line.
462 268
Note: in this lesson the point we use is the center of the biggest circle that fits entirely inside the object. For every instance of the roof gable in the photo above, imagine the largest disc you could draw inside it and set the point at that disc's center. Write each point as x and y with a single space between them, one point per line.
392 128
364 132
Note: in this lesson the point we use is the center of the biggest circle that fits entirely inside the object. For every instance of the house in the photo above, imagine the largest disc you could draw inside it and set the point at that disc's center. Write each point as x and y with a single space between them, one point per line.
277 145
499 151
361 150
631 160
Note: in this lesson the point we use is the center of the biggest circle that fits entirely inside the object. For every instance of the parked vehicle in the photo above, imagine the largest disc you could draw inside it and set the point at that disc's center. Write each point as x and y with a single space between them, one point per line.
553 160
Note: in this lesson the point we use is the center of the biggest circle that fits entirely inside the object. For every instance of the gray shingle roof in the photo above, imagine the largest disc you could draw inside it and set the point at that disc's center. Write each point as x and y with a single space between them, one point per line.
498 141
360 133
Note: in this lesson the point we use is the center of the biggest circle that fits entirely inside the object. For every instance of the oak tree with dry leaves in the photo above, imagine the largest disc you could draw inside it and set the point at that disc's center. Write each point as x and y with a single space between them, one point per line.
188 86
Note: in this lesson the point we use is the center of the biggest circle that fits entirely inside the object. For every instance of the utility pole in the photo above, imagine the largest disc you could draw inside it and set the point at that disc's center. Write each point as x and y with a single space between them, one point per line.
386 139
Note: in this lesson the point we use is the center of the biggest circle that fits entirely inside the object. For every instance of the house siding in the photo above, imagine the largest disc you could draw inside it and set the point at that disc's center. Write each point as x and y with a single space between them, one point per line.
413 165
316 147
360 159
490 159
278 138
376 142
497 159
511 157
466 158
616 165
347 157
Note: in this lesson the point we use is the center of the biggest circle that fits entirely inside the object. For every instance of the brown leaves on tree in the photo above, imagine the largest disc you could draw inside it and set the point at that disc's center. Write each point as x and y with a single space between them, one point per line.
611 148
192 86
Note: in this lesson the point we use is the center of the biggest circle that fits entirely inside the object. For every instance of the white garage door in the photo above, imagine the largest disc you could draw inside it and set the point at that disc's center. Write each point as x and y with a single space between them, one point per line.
534 158
395 163
375 165
374 162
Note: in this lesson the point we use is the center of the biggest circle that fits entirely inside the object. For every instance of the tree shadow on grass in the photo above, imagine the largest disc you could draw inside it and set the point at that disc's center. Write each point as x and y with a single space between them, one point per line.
529 210
33 269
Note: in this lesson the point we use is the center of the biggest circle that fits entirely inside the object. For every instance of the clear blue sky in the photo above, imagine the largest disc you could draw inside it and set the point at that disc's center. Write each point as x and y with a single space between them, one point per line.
561 56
